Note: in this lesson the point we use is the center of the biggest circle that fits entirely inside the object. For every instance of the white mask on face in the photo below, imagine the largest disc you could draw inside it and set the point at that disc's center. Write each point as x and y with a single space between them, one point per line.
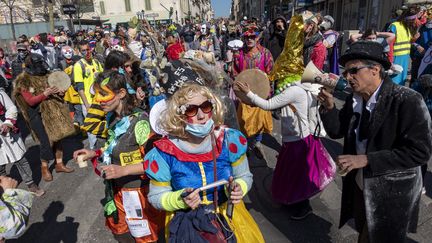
204 29
325 25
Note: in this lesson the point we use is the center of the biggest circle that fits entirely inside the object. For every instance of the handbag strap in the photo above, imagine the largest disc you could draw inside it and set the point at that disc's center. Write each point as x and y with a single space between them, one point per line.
215 191
317 129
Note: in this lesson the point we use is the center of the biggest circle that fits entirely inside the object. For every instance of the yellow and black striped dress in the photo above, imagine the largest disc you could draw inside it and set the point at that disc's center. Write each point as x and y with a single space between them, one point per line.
95 121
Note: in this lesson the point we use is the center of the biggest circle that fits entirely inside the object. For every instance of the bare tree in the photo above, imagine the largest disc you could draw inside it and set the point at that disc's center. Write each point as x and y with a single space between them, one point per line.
23 13
11 5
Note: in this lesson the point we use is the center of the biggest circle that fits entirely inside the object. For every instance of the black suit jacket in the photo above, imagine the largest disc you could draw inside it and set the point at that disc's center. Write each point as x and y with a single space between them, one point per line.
399 140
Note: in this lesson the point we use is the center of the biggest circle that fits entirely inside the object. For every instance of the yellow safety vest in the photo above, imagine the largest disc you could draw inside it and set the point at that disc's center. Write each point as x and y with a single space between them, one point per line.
402 45
71 95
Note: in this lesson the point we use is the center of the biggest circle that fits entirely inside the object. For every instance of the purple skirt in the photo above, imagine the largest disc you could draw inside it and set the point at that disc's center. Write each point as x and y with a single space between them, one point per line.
303 169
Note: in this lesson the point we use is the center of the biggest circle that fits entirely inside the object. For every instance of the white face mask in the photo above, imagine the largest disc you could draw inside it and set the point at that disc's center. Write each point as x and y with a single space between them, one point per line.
204 29
429 25
67 54
325 25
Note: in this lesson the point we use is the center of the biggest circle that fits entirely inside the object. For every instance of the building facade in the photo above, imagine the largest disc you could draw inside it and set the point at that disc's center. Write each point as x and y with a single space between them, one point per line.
249 9
28 11
348 14
115 11
120 11
235 10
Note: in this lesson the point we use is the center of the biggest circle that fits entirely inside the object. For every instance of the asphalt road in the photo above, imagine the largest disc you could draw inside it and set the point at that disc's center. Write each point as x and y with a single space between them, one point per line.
70 211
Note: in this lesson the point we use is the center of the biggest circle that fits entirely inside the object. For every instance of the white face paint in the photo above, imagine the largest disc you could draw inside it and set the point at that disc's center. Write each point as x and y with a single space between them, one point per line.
67 53
204 29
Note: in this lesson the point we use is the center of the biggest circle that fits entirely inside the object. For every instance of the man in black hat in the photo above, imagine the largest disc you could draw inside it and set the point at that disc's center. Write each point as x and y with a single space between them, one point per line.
387 137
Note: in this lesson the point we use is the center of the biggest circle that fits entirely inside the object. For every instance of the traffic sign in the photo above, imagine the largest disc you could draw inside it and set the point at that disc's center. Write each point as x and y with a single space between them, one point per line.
151 15
69 9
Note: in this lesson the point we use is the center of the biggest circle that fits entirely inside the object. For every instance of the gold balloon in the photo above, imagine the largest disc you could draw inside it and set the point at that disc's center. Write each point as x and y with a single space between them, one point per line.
289 65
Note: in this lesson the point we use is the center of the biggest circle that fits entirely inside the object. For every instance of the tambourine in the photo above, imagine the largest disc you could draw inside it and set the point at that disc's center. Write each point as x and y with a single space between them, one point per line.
258 83
60 80
154 117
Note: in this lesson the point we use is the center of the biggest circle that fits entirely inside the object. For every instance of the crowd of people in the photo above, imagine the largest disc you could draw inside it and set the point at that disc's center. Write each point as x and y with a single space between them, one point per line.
173 114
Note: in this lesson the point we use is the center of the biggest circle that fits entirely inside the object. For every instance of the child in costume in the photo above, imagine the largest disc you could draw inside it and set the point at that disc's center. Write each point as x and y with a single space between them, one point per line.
129 215
198 151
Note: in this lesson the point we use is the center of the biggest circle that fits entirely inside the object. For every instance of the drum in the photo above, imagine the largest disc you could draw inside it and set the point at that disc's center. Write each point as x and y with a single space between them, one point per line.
154 116
258 83
60 80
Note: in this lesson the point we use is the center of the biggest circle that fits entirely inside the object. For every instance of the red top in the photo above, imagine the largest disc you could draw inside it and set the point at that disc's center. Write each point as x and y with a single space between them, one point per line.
31 99
319 55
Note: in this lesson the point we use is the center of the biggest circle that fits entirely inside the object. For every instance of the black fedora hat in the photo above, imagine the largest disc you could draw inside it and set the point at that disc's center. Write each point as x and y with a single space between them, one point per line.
368 50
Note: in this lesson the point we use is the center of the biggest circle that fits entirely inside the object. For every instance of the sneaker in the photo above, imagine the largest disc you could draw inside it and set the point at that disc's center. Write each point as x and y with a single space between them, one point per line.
301 213
424 190
36 190
259 151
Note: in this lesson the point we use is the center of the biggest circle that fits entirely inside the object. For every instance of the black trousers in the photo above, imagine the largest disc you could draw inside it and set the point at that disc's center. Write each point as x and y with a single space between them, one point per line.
360 215
46 151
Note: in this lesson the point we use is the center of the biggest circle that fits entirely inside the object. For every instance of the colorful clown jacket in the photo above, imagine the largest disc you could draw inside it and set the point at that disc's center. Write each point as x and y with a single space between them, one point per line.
174 165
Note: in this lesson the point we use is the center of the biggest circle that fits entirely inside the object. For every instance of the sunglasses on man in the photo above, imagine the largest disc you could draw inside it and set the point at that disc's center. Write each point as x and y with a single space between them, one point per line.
354 70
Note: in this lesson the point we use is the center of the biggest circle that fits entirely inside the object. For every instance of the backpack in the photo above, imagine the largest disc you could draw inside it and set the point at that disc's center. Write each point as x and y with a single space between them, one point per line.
316 128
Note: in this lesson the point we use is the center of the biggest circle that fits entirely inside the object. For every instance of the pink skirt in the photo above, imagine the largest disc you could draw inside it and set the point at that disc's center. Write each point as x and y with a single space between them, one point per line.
303 169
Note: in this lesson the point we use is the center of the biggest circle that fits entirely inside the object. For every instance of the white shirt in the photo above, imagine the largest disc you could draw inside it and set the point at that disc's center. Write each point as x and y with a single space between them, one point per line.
361 145
291 130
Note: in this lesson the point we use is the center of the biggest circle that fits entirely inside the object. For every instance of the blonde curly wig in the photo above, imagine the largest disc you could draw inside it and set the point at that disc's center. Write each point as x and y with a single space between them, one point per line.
174 123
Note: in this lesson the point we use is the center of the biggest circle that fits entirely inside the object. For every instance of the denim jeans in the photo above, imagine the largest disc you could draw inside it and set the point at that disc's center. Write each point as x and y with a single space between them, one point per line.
78 114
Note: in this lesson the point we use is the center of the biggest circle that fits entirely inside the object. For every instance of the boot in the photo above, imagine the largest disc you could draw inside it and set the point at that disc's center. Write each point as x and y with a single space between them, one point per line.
36 190
46 174
60 167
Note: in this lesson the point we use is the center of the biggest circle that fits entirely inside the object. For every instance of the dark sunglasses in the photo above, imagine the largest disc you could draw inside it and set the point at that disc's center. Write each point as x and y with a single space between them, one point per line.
354 70
192 110
22 50
250 37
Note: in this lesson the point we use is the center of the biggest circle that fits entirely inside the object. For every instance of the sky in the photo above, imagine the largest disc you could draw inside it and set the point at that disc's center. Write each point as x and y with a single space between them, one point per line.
221 7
